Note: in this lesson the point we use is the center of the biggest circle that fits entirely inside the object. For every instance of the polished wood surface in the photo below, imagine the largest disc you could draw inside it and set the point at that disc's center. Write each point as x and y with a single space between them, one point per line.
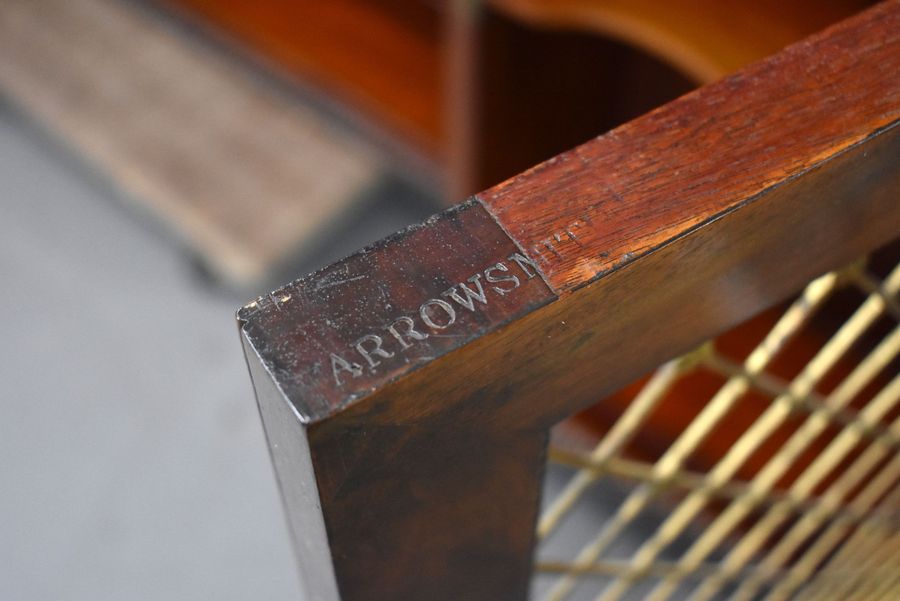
685 165
659 235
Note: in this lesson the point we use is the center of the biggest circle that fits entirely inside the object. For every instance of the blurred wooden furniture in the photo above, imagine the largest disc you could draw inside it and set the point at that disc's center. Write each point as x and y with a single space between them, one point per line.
407 391
457 96
486 89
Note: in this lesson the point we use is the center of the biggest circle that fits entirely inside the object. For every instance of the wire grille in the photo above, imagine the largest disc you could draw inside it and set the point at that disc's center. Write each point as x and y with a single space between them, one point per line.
817 518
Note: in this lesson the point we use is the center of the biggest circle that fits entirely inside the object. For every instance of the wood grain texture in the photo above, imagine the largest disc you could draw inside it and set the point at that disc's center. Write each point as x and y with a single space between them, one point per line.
416 458
610 201
429 476
561 358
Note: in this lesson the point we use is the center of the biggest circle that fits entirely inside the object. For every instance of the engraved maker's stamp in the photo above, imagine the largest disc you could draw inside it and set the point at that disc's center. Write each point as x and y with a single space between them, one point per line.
435 317
338 334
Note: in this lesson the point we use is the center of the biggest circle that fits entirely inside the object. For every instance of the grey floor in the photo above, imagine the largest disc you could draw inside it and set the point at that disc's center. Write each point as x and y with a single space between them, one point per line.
132 462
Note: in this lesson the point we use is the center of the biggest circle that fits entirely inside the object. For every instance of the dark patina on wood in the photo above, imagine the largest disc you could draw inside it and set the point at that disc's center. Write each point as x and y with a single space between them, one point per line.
340 333
420 466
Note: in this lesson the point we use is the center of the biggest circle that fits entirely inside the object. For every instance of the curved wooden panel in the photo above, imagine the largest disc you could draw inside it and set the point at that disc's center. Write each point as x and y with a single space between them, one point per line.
706 39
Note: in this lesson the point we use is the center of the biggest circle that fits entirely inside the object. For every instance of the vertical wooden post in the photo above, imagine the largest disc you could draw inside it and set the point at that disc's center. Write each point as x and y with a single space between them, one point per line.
392 492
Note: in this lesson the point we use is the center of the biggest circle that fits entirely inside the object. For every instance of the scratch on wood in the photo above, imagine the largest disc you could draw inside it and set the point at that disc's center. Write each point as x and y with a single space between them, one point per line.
321 285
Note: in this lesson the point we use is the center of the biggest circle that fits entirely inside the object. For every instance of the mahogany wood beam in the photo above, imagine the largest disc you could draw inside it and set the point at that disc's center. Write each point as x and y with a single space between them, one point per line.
407 391
705 154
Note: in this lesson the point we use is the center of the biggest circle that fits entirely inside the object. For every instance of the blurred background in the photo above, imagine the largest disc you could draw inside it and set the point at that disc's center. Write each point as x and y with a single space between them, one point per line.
163 162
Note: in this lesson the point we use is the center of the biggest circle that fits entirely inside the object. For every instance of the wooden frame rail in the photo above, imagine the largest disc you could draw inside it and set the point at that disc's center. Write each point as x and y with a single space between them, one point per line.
407 391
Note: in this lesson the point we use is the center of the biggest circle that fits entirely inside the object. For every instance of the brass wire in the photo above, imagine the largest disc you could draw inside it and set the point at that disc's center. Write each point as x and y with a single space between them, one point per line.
827 519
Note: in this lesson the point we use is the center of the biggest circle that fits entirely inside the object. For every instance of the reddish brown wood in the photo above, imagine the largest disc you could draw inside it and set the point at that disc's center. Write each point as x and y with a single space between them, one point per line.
662 175
423 481
561 358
